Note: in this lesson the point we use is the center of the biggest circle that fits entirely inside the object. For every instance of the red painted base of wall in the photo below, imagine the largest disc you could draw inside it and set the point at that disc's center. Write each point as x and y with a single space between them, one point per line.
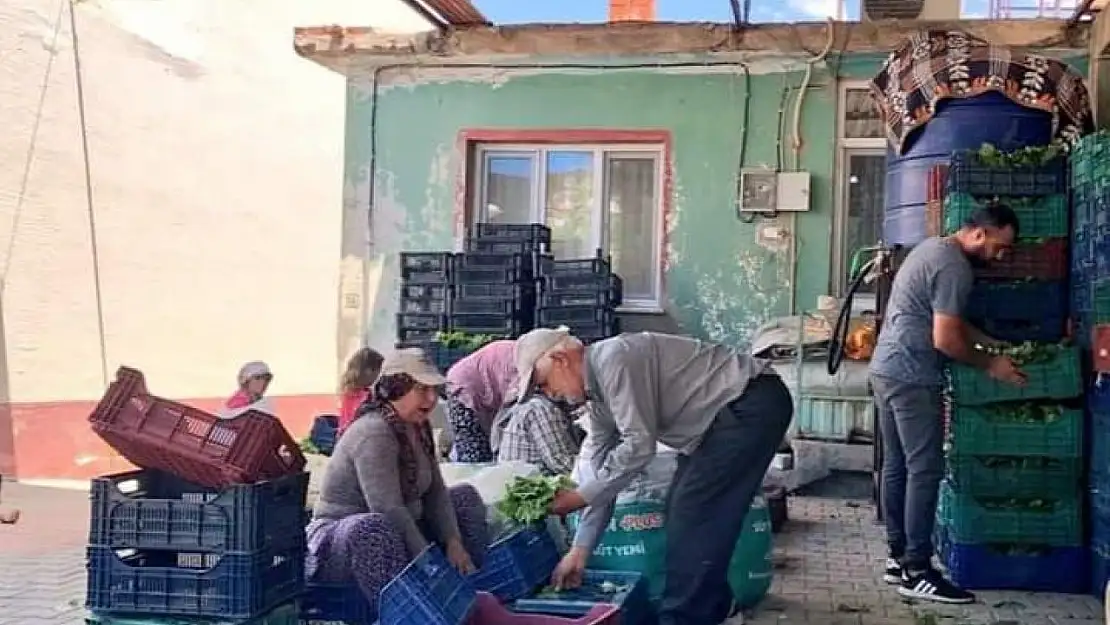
53 440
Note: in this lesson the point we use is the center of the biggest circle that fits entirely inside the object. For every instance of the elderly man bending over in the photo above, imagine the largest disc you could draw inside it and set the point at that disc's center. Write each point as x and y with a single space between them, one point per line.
538 427
725 412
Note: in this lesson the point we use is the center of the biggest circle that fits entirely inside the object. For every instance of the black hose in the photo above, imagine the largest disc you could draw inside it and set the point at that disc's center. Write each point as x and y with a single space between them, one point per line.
839 336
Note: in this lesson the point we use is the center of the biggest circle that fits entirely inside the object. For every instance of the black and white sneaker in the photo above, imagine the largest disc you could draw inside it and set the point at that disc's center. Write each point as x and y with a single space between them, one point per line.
893 572
931 586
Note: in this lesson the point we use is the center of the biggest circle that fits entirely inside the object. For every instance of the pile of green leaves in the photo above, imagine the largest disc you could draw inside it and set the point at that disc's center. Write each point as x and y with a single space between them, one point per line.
1023 412
463 340
1026 353
1025 157
308 447
528 498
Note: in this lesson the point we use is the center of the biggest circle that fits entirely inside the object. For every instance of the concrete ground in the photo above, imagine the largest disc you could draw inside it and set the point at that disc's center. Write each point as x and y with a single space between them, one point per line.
828 568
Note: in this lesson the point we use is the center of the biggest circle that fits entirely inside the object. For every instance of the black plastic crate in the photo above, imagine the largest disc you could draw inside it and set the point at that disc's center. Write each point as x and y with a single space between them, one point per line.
427 267
501 291
168 583
487 306
410 336
421 321
538 234
425 305
595 266
592 332
495 275
569 315
150 509
474 260
442 291
500 245
968 174
495 324
556 299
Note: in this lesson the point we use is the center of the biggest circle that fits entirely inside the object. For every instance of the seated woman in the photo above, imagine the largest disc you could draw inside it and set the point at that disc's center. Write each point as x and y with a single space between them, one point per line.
476 389
362 370
538 428
254 378
382 499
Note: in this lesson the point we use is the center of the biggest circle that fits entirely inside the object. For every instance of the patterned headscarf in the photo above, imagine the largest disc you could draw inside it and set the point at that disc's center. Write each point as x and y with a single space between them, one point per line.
407 464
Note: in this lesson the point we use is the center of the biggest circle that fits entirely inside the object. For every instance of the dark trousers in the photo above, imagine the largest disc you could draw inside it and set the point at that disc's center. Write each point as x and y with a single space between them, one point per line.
912 430
710 496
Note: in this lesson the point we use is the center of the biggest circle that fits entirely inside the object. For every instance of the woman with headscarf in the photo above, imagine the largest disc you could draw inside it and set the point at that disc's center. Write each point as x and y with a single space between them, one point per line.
254 378
383 499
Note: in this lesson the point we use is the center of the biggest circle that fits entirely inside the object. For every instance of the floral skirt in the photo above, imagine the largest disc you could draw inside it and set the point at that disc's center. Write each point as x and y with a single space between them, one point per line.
471 442
368 550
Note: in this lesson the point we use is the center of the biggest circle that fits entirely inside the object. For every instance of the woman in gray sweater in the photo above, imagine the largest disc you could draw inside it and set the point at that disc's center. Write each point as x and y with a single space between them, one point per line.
383 500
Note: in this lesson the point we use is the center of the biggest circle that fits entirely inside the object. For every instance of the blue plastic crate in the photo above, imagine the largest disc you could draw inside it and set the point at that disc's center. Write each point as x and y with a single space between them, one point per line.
1018 301
288 614
632 598
344 603
1099 455
428 592
1003 567
191 584
150 509
324 432
517 564
1100 569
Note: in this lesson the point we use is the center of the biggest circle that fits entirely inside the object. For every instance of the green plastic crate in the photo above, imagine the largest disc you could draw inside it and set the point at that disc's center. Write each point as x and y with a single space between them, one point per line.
1059 378
1045 216
1014 476
288 614
995 430
978 519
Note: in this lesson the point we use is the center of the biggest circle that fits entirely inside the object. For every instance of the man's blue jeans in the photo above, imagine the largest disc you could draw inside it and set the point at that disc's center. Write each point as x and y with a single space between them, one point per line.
911 424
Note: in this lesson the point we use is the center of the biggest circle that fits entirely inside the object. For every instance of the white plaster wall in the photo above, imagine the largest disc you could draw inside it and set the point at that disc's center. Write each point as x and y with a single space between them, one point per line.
216 158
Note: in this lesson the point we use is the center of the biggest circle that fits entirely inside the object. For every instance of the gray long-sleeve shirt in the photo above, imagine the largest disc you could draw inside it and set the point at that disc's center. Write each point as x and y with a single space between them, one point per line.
648 388
363 475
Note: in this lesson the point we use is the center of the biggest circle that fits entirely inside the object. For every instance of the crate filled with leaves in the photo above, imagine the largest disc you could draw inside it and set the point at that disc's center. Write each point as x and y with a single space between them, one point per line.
1054 519
1040 217
1052 372
1029 171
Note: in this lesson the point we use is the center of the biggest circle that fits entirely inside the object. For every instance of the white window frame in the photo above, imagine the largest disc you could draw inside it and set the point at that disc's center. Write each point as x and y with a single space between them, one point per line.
599 235
846 148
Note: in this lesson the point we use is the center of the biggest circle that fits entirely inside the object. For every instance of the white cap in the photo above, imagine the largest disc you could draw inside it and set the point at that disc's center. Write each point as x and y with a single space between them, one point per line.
254 369
530 348
412 362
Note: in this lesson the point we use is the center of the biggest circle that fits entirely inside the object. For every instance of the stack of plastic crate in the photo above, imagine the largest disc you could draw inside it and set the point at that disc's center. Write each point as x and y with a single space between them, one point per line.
495 279
1010 507
191 536
582 295
426 295
1090 282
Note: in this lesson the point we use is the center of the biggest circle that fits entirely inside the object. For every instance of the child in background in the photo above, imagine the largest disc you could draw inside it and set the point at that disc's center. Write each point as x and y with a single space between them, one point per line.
254 378
362 371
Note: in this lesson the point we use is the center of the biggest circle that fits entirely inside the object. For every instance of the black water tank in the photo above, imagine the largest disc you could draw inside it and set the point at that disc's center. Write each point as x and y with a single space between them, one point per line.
959 124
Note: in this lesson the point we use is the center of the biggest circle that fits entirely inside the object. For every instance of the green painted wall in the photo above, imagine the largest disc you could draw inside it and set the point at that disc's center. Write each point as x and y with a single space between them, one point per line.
721 283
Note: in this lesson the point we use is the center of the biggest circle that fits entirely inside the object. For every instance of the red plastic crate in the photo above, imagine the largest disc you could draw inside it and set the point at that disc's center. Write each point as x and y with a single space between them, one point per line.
1100 348
1041 260
934 200
156 433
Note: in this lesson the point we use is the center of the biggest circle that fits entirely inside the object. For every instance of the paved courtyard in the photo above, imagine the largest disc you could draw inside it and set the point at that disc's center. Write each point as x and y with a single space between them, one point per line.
827 564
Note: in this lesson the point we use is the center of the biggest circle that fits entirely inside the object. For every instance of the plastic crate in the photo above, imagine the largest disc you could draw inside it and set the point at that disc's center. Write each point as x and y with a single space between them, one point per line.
497 245
574 315
1014 476
150 509
425 306
1100 569
1046 259
494 275
428 592
442 291
593 332
978 519
1091 298
199 447
593 266
1013 567
538 234
517 564
416 336
631 597
344 603
232 586
288 614
1047 329
1017 301
476 261
968 175
421 321
324 432
433 267
936 189
497 325
1059 378
1045 217
558 299
488 306
990 430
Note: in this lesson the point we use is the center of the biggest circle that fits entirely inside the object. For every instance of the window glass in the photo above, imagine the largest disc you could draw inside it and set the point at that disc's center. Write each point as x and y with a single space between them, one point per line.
508 188
862 119
863 217
632 206
570 203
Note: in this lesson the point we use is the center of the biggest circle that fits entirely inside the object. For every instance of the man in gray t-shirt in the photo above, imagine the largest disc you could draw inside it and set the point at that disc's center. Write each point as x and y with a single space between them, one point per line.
922 326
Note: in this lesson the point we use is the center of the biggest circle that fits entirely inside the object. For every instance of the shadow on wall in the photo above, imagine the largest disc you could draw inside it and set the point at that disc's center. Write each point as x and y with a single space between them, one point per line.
7 425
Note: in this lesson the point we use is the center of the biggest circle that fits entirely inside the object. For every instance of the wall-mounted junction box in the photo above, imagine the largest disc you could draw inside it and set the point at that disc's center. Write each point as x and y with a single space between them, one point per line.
764 191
